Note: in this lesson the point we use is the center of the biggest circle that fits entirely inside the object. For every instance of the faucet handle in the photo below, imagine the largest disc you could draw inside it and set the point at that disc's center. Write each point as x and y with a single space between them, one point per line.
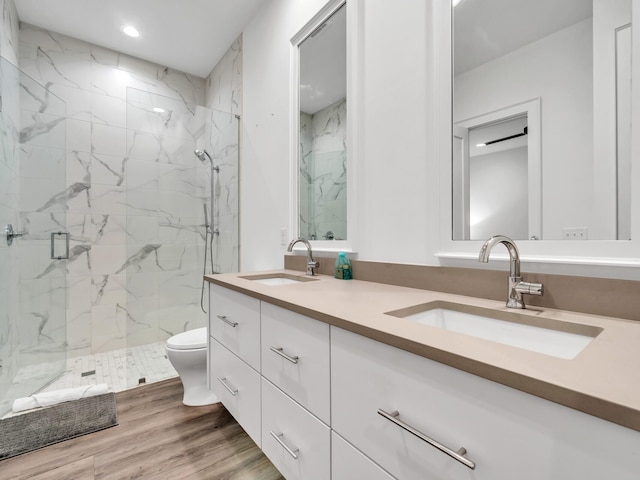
529 288
311 266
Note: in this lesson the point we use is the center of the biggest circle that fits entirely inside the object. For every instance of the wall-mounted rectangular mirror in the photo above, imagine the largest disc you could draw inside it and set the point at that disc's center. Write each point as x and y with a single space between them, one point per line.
564 174
322 152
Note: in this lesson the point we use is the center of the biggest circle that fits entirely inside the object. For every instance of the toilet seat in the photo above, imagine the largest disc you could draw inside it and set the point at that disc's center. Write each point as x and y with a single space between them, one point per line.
189 340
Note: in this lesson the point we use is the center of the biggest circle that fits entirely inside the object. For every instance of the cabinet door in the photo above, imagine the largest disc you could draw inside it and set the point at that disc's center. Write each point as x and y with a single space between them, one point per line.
237 386
507 433
347 463
296 442
295 357
234 320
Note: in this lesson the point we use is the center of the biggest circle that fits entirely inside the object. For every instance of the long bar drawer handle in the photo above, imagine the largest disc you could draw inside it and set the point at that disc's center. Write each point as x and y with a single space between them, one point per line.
458 455
227 321
278 437
232 391
280 352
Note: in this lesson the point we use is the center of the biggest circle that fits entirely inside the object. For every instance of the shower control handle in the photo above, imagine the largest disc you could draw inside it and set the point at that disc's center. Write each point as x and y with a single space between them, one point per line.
11 233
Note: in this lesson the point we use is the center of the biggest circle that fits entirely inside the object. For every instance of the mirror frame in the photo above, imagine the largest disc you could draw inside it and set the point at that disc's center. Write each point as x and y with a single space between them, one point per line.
353 47
600 258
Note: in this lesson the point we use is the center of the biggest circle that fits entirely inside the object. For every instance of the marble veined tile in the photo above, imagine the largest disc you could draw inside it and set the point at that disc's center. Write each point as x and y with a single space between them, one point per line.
173 230
109 289
141 285
9 32
41 195
78 167
109 80
177 178
141 258
177 318
38 227
46 65
43 129
76 197
108 140
52 41
108 229
107 169
46 162
106 259
108 110
142 174
80 228
142 202
109 328
142 229
106 199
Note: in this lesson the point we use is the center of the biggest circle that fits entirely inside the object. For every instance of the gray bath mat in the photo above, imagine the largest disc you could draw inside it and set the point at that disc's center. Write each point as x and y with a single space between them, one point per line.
39 428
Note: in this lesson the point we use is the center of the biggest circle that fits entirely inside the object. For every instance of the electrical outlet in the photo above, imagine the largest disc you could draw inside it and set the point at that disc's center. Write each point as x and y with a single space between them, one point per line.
283 236
575 233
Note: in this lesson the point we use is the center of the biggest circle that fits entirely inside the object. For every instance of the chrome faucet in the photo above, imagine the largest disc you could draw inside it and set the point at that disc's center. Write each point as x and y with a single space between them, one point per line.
517 287
311 263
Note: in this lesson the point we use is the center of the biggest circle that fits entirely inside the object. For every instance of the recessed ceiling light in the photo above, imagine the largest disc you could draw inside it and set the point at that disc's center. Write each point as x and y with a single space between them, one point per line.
130 30
159 110
455 2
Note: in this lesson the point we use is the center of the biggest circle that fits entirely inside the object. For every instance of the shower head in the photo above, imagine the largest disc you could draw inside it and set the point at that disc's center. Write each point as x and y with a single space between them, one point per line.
203 155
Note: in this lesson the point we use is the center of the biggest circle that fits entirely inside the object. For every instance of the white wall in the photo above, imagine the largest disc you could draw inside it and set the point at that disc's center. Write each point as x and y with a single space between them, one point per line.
396 176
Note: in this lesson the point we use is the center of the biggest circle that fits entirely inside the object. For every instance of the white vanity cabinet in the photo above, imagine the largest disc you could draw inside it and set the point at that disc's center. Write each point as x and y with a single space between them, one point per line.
295 357
347 463
237 385
234 356
296 442
325 403
234 320
508 434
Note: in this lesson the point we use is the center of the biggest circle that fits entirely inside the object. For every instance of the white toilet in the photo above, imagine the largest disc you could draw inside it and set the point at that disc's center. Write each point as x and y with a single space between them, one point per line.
187 352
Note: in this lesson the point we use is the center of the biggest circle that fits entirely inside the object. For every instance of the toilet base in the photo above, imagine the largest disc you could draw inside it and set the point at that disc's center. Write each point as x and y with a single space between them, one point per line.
191 366
199 396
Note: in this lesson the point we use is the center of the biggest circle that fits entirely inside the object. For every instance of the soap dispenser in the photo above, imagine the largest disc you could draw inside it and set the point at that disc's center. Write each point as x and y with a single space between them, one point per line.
342 268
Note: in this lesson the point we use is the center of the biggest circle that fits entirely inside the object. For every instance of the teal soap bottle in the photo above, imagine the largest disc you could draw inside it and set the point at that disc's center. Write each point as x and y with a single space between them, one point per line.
342 269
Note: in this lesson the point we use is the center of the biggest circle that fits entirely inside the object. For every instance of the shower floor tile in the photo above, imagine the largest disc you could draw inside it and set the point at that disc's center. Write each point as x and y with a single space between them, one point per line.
120 369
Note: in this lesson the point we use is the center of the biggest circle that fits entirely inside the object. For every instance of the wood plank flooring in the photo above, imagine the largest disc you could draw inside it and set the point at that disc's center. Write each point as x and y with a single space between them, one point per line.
157 437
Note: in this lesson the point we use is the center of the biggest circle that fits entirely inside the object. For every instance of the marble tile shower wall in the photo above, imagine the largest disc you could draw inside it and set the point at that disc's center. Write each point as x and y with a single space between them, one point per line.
112 188
323 173
224 94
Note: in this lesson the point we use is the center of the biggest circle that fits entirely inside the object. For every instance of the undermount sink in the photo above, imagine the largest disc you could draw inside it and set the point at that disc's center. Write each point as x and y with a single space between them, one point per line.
278 279
543 335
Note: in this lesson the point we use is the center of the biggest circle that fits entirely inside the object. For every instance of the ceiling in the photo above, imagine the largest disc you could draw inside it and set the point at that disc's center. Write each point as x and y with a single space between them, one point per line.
187 35
487 29
323 64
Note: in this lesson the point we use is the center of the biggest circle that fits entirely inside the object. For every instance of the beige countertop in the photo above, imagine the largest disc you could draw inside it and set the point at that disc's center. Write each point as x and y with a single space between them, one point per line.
602 380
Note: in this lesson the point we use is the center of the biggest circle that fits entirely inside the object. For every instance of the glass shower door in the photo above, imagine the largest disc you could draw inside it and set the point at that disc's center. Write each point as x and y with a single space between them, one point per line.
33 195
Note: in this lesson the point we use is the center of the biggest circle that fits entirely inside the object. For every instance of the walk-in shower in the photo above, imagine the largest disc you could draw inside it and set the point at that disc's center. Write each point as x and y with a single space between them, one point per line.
137 242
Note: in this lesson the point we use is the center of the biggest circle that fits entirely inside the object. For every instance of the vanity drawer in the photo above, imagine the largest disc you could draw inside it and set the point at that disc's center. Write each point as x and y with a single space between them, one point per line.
234 320
289 431
507 433
237 386
295 357
347 463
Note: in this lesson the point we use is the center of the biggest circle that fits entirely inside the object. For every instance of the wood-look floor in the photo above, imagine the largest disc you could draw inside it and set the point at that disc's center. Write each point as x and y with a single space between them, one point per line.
157 437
